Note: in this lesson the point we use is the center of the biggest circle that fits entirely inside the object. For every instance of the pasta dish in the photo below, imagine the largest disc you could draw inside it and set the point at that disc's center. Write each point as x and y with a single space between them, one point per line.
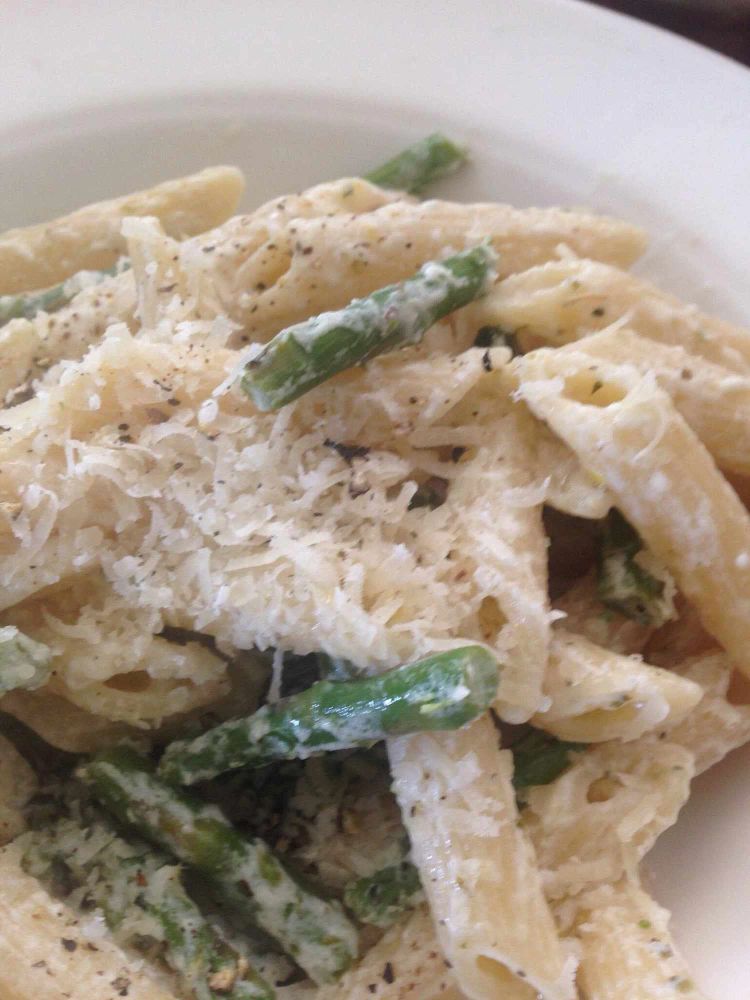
375 581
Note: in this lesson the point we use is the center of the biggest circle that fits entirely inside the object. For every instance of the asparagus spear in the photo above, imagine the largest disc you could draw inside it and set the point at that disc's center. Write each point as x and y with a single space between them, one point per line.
380 899
245 875
443 691
24 663
304 355
417 166
127 879
539 758
623 584
26 305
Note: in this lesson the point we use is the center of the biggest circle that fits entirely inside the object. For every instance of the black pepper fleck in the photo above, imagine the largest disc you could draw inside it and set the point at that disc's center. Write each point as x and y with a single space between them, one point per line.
347 451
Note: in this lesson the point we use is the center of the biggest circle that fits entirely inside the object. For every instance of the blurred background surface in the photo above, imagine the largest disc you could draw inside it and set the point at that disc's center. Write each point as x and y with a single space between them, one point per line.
720 24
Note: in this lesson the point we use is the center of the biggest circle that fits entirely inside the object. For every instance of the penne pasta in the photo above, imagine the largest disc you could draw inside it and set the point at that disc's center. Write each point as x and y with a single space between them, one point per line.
601 816
478 871
90 238
64 725
599 695
71 330
297 271
628 431
562 301
627 950
406 964
714 402
716 726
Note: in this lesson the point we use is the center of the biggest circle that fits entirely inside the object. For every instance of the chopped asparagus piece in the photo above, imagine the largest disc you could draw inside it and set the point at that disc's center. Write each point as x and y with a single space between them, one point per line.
443 691
24 663
538 758
244 874
417 166
381 899
624 584
26 305
304 355
140 893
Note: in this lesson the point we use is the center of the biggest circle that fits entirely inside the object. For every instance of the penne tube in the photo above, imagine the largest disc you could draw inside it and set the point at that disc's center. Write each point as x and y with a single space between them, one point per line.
604 813
599 695
297 272
716 726
90 238
477 869
714 402
627 950
405 964
62 724
627 430
564 300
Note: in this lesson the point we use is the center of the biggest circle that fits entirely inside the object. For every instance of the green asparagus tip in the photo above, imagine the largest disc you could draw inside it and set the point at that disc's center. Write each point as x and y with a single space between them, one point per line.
382 898
304 355
419 165
539 758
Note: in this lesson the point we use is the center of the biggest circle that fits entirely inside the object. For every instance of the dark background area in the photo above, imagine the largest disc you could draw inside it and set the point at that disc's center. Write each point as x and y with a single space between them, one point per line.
724 26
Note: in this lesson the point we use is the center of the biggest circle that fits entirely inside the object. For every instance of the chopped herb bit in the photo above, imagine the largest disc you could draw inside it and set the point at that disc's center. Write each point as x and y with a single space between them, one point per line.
624 584
347 451
539 758
382 898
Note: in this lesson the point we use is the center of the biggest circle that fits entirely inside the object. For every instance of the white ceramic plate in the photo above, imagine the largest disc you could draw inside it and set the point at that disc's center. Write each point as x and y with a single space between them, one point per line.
561 103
